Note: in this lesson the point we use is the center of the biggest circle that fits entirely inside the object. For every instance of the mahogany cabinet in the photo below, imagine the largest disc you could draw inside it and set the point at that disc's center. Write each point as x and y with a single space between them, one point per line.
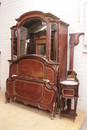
38 59
42 34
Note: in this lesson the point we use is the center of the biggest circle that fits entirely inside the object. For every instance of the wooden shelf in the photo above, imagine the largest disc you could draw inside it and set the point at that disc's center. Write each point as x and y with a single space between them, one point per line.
68 113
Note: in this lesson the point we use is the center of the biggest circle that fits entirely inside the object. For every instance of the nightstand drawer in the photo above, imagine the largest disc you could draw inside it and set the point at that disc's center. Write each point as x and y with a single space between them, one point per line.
68 92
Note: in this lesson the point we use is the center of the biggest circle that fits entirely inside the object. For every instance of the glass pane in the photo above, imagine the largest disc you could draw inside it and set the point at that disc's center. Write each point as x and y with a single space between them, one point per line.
54 41
32 30
14 44
42 50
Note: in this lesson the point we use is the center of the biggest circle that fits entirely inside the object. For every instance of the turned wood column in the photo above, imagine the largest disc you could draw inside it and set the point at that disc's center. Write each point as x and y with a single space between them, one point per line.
74 40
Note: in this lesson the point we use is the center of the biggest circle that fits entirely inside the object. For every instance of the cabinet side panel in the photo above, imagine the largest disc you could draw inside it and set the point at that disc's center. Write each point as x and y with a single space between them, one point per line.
63 41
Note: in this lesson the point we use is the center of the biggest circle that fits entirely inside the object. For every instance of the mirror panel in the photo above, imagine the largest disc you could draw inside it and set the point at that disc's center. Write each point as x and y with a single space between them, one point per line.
33 37
41 49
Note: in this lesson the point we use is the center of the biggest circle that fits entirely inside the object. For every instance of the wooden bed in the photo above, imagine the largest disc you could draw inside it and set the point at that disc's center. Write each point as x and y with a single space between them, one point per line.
33 81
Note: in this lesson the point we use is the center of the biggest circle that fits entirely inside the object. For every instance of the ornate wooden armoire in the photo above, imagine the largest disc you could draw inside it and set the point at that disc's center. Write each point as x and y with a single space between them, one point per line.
38 59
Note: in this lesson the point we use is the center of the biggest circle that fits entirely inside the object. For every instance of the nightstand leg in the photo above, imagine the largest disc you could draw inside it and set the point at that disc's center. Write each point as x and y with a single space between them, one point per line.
75 106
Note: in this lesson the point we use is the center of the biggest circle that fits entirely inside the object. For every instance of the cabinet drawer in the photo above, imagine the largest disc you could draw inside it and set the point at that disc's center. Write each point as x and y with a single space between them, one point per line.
68 92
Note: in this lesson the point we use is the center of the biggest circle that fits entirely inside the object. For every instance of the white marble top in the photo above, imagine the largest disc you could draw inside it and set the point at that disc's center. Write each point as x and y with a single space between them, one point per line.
68 82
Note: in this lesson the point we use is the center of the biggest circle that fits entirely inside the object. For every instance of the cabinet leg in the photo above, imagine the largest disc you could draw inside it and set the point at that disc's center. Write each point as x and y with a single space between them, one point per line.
7 99
60 103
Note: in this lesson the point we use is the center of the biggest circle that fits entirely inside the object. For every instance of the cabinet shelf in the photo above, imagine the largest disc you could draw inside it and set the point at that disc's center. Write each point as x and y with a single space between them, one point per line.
68 113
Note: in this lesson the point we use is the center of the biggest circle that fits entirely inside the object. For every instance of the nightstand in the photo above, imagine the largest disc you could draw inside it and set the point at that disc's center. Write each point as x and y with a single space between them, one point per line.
68 97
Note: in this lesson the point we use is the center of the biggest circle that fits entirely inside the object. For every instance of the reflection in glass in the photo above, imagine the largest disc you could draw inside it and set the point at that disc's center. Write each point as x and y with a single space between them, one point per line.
31 37
14 43
42 50
54 41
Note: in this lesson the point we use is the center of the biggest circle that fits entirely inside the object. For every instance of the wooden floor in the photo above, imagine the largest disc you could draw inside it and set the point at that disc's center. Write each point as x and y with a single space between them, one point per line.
16 116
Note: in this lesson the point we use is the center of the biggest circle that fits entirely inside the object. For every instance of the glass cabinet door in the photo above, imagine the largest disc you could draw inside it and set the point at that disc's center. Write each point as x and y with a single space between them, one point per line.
53 50
14 43
33 37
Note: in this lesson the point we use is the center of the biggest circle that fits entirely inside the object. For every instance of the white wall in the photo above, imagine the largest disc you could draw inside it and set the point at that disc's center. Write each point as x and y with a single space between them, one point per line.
70 11
0 70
